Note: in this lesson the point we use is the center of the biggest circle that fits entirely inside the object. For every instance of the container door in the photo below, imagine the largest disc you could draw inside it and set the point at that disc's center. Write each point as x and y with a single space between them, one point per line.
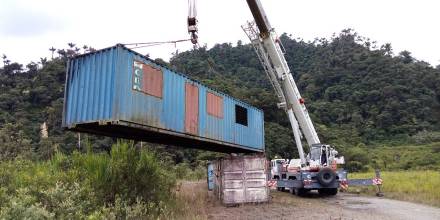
191 108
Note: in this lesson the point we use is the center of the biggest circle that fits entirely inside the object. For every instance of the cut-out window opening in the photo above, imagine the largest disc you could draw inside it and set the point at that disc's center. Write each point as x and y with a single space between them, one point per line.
241 115
214 105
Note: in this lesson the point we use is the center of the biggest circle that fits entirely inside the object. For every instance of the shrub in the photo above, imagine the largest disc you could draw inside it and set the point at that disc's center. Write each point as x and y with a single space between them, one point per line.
126 184
424 137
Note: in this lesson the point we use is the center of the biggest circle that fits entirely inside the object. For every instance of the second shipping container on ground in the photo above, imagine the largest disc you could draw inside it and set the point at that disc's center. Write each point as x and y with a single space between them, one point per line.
240 179
120 93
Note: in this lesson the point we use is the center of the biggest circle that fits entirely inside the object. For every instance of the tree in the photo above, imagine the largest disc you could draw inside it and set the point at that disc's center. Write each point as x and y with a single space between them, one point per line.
406 57
13 142
52 49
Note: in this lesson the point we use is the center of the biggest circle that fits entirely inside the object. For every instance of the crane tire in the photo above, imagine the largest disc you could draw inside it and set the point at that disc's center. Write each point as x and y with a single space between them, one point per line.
326 176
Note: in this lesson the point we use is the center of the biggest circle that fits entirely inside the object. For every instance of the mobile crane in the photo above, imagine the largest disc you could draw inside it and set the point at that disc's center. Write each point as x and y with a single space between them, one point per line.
318 170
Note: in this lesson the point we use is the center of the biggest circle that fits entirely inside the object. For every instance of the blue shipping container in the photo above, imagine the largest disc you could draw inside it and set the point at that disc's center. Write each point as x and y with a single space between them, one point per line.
120 93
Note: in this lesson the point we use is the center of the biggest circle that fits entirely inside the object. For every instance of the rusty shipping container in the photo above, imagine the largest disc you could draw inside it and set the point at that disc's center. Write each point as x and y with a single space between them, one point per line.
120 93
241 179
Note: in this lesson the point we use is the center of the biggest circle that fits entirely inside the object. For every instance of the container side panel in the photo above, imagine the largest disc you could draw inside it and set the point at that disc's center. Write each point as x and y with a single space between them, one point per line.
76 91
86 89
229 121
210 126
90 87
136 105
203 115
110 85
68 100
84 65
95 102
173 98
101 79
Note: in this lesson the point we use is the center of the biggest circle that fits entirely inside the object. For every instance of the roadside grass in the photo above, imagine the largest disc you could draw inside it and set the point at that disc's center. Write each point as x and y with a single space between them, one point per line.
192 200
415 186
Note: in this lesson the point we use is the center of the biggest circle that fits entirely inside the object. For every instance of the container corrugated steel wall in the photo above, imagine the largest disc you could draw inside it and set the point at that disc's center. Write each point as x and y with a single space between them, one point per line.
102 87
241 179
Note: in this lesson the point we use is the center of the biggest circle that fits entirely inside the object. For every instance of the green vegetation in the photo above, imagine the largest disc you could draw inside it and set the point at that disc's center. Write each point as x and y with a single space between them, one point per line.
416 186
388 157
127 183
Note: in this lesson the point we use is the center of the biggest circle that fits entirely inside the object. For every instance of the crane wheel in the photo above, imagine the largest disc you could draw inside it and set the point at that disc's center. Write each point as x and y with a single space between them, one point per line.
301 192
326 176
328 191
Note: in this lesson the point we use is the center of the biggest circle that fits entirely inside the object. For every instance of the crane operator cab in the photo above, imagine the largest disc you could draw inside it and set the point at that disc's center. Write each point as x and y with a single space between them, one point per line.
322 155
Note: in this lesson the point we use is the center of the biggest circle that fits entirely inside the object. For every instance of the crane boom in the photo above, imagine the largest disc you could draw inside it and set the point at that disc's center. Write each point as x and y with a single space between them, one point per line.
268 48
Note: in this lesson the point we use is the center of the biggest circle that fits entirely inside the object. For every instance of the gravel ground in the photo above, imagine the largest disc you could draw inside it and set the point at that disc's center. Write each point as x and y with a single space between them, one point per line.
284 205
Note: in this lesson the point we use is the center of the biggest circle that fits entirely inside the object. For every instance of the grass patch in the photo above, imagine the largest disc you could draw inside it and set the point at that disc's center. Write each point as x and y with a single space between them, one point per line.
415 186
128 183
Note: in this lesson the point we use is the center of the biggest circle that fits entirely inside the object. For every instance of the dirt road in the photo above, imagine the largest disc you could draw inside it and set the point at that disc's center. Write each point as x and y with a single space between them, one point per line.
342 206
284 205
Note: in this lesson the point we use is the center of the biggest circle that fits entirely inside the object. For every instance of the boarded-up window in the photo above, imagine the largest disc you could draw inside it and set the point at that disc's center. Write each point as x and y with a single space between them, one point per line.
191 108
214 105
147 79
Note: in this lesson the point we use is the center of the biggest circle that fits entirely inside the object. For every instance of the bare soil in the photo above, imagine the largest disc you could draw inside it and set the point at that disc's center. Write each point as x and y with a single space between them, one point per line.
284 205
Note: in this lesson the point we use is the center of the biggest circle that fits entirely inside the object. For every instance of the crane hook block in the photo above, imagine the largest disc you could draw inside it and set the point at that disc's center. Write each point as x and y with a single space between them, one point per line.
192 29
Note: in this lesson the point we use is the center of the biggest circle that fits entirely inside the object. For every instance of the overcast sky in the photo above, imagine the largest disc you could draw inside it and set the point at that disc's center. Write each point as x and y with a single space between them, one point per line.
29 28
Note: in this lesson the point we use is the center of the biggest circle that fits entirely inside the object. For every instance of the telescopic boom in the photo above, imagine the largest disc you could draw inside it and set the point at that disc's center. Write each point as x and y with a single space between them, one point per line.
268 48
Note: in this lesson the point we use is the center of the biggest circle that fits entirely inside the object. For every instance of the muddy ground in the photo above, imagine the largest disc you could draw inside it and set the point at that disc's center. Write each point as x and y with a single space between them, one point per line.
284 205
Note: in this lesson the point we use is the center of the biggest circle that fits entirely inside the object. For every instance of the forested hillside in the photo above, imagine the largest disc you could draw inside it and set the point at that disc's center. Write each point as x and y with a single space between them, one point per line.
357 93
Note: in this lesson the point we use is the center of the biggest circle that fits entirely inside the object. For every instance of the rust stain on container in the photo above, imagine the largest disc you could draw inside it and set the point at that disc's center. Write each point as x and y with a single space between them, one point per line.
214 105
191 108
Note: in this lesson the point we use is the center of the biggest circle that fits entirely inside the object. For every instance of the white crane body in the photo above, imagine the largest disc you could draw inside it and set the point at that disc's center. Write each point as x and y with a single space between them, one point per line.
319 170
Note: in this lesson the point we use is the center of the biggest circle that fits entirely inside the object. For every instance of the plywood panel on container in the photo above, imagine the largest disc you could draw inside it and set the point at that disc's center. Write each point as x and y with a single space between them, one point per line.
147 79
191 108
214 105
153 81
